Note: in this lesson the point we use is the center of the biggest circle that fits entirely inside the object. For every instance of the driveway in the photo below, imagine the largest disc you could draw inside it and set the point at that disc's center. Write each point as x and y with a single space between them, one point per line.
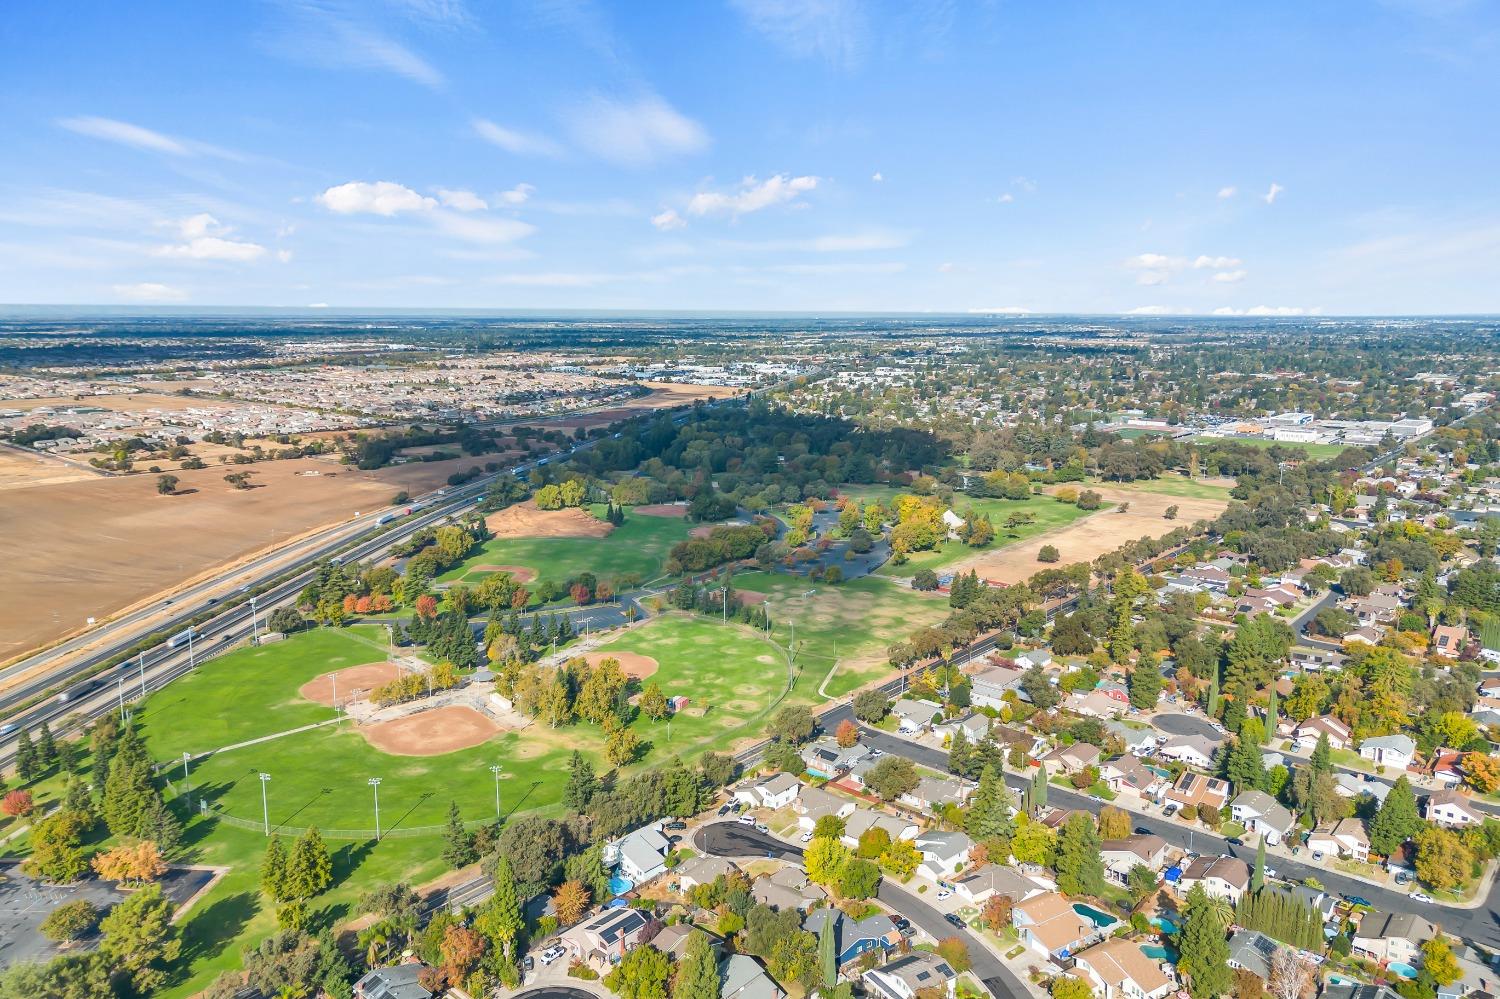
731 839
1181 724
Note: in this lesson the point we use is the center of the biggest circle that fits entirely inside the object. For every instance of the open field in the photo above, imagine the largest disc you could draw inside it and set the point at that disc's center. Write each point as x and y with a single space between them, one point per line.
640 545
1314 452
664 395
1171 485
21 469
1091 537
99 545
1048 515
852 623
524 520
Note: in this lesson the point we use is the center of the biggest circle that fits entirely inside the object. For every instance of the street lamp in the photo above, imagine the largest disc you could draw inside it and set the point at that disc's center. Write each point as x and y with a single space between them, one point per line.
191 657
495 769
254 631
142 659
265 812
374 782
187 788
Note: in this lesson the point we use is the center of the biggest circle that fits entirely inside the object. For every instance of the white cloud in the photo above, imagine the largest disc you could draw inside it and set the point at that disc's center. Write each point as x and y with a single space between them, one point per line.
668 219
830 29
1230 277
137 137
635 132
752 196
1216 263
462 201
513 141
474 229
1157 268
1024 183
382 197
1005 198
517 195
205 238
1271 195
1266 310
1156 261
1227 192
1151 310
325 33
852 242
317 305
878 177
150 291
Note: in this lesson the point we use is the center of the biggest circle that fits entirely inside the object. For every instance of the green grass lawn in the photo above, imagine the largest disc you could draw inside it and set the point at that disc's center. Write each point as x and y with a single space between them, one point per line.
1170 485
851 624
639 546
1049 514
1314 452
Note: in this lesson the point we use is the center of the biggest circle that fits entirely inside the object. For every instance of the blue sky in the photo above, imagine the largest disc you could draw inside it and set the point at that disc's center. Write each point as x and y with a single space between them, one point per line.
1330 157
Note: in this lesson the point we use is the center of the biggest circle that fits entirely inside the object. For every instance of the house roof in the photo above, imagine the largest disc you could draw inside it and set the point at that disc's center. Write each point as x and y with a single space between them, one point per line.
1453 798
1404 743
703 869
1230 870
778 783
917 971
1407 925
1141 845
1265 806
816 802
945 844
742 977
937 790
1054 922
398 982
1253 950
1000 880
1202 743
1115 961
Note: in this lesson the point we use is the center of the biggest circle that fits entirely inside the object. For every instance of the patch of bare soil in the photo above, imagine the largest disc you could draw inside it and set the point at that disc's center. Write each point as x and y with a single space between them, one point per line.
632 664
432 733
661 509
524 520
351 683
520 572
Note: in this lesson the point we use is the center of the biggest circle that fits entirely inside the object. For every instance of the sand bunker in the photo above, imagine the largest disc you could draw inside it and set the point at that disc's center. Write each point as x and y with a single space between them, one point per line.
632 664
520 572
431 733
352 684
524 520
662 510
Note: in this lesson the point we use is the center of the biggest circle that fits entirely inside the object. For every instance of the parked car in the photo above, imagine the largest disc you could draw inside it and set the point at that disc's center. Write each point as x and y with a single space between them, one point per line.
1142 831
746 820
762 827
553 953
902 923
806 837
726 808
944 893
676 825
953 918
1235 841
1170 810
528 964
1420 896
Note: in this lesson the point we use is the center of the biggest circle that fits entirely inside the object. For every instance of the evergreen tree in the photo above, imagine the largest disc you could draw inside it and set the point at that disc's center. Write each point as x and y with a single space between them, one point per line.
582 783
159 824
1213 694
1272 710
960 754
989 810
1321 761
698 971
1080 868
309 869
79 798
1145 686
1243 764
828 958
458 849
27 764
273 868
1204 950
46 747
1258 876
1037 793
1397 820
128 791
500 920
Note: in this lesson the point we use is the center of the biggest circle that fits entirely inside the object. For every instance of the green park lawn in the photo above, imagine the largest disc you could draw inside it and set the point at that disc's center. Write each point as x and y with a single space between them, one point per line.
638 546
1047 512
849 625
1314 452
1169 485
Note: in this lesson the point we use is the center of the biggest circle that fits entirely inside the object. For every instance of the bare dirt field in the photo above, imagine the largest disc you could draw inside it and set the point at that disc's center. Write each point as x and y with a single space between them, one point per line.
632 664
351 683
20 468
524 520
664 395
1086 539
661 510
431 733
521 573
701 531
95 546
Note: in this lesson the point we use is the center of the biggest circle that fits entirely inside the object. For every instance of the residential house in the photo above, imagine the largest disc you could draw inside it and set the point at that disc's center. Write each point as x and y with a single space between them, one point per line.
1351 786
1393 936
1222 877
1445 766
1262 814
1370 634
1198 790
852 937
1345 838
700 870
988 688
1070 759
974 727
1307 734
1128 774
1377 608
1194 750
396 982
1138 741
1317 660
673 940
826 758
943 853
1094 704
1389 750
1448 640
1252 951
1211 576
1356 990
1121 856
1012 738
932 793
1049 925
788 888
603 938
976 887
742 977
862 819
813 803
909 976
1451 809
1479 975
1034 658
1119 969
914 715
775 791
641 855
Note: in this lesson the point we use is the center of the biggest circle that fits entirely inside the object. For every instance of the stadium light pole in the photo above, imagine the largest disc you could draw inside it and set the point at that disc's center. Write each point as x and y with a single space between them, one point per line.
495 769
265 811
142 659
254 631
374 783
191 657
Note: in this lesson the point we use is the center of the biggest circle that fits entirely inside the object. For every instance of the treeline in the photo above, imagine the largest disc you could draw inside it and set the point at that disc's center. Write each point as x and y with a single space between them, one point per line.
723 544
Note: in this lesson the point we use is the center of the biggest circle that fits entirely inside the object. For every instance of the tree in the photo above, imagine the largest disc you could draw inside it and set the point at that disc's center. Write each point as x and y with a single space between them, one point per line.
1290 975
1439 962
997 912
1069 987
989 815
458 848
1204 950
860 879
641 974
900 859
571 901
582 783
698 971
273 871
828 953
17 803
892 777
828 826
1080 869
76 976
139 939
1244 764
1443 861
1481 772
847 734
653 702
286 620
793 724
500 920
1397 820
1141 882
131 865
166 485
46 746
1258 872
1038 688
461 950
824 860
68 922
956 953
309 869
55 851
1048 553
27 764
1145 686
621 744
871 706
1034 843
1114 823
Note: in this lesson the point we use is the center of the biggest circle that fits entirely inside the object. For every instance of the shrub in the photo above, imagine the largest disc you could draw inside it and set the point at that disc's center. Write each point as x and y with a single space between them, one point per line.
1048 553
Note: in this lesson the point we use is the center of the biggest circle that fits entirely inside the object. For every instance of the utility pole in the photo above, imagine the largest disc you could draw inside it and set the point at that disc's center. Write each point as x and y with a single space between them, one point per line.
187 786
254 630
374 782
142 660
191 662
265 811
495 769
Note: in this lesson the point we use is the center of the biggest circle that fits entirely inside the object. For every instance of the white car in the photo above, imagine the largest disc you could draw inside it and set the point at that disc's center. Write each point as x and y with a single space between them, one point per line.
1420 896
553 953
807 837
944 893
746 820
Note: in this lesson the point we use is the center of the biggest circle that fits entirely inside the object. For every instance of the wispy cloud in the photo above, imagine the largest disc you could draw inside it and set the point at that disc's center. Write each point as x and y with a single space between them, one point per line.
833 30
345 36
1272 193
668 219
1230 277
150 291
635 132
1228 192
461 201
517 195
514 141
387 198
381 197
1156 268
138 137
752 195
1151 310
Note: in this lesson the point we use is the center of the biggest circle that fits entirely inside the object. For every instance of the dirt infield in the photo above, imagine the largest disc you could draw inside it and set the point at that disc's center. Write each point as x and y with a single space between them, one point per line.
1086 539
431 733
632 664
353 682
520 572
524 520
750 598
661 510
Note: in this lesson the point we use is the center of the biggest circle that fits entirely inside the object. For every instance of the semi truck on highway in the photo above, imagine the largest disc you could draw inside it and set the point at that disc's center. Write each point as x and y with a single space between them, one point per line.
76 691
180 639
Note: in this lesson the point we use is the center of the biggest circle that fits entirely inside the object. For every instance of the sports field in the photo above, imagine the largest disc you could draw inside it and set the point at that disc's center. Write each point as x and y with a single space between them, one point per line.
1047 513
639 546
1314 452
1171 485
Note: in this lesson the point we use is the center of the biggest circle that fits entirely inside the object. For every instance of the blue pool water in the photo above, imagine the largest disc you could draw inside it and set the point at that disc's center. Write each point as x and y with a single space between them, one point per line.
1099 919
1404 970
1164 924
619 885
1156 952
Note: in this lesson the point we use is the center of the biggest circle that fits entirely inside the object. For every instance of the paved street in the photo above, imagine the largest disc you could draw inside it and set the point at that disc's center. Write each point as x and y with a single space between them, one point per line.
731 839
1184 724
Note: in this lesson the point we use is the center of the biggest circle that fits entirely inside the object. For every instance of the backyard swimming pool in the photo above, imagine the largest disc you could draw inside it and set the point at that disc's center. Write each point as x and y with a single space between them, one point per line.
1404 970
619 885
1157 952
1099 919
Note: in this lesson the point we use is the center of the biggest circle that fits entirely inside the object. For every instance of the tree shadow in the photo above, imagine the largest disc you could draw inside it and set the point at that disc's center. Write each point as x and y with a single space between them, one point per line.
212 928
421 798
